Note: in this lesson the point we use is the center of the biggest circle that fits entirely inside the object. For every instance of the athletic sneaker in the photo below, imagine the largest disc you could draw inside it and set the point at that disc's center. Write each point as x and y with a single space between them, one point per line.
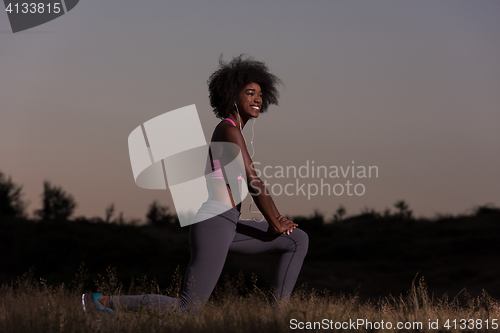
90 303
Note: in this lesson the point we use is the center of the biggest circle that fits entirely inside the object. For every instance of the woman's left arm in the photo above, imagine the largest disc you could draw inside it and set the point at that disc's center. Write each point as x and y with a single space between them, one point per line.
275 210
277 214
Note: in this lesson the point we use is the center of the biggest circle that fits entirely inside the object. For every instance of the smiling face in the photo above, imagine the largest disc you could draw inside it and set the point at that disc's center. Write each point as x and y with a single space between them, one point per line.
250 101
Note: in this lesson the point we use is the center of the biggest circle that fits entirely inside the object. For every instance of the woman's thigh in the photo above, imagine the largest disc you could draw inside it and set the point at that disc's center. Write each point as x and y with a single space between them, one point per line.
209 241
254 237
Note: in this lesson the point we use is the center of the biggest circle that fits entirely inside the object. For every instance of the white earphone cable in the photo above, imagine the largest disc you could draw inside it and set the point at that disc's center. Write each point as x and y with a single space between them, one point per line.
253 153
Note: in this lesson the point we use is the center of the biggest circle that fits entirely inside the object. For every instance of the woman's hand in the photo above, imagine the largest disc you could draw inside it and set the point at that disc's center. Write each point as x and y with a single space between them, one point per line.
285 225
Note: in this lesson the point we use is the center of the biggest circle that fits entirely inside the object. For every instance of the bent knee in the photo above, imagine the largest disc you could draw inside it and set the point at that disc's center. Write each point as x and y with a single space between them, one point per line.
301 239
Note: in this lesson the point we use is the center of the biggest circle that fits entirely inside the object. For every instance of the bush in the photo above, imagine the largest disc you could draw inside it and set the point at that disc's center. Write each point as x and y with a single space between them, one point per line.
10 198
56 204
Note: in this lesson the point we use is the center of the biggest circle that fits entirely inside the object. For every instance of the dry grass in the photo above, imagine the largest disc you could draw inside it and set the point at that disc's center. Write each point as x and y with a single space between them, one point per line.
30 305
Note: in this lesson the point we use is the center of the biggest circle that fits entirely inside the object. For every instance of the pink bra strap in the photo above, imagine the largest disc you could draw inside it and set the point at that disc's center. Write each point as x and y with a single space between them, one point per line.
230 121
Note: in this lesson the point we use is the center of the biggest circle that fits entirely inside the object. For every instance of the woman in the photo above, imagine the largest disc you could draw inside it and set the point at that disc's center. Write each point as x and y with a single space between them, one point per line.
239 90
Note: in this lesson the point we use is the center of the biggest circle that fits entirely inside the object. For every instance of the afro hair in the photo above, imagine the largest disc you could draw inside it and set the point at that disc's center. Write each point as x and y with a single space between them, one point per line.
226 83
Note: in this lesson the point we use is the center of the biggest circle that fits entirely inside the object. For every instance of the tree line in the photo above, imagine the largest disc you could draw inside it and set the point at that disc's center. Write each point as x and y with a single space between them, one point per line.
58 205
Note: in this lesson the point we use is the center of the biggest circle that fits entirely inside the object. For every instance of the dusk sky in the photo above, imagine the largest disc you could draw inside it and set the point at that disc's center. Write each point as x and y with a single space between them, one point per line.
411 87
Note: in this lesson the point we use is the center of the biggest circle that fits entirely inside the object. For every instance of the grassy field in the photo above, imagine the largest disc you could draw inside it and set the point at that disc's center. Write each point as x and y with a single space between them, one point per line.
375 256
30 305
366 262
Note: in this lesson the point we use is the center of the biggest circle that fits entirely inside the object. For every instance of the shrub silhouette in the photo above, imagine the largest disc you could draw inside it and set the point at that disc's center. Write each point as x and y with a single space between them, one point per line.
403 210
10 198
56 204
110 210
339 213
159 215
487 210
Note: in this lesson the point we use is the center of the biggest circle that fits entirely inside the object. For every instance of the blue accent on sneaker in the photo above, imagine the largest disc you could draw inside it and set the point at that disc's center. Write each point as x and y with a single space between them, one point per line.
90 300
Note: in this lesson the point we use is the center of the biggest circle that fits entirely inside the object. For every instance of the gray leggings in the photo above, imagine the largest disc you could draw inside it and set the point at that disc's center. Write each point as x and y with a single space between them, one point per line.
210 242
